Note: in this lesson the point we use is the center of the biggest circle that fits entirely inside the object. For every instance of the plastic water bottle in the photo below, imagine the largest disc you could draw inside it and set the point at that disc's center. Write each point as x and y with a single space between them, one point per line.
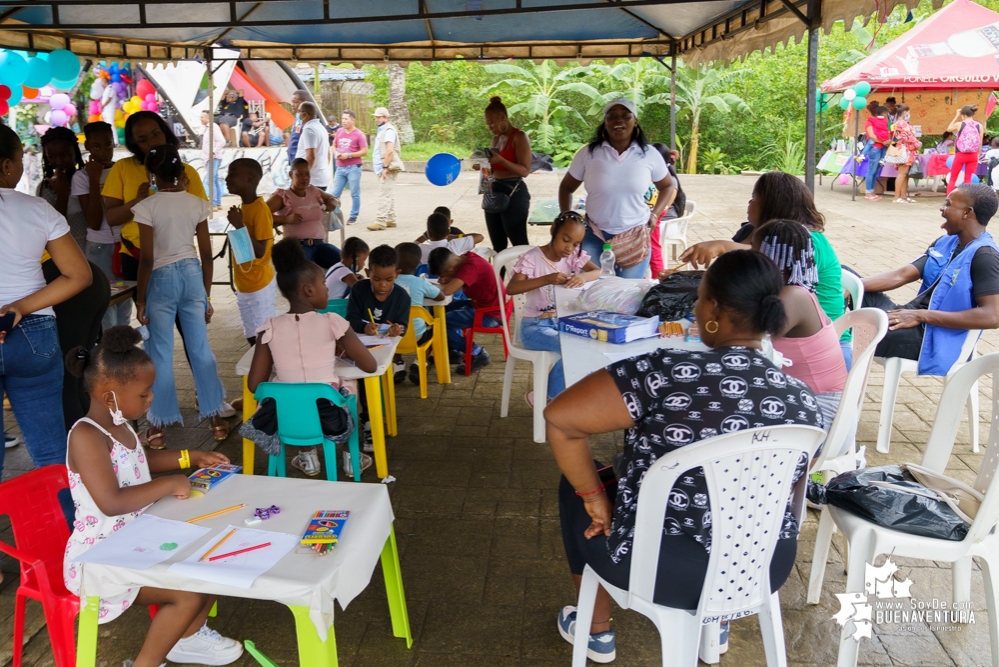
607 261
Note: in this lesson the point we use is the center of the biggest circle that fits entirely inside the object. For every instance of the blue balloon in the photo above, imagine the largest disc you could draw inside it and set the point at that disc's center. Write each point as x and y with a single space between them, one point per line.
62 85
115 78
16 93
65 65
442 169
39 73
975 179
950 161
13 69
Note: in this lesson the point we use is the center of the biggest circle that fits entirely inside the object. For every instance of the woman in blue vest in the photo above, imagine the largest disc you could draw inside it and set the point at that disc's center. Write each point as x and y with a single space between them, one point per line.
960 289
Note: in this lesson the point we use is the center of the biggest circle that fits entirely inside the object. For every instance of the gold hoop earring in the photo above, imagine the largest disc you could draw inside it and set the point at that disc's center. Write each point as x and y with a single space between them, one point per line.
707 327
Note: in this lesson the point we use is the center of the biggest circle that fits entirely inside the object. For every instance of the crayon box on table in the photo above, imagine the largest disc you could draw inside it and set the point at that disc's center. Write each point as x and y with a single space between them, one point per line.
325 527
609 327
204 479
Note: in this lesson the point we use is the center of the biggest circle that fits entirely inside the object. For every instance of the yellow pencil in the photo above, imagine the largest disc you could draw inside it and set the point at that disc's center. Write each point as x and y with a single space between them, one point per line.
227 509
209 552
371 316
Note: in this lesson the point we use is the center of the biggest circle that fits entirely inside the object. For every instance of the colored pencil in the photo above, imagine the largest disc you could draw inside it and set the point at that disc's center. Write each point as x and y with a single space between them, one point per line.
240 551
217 545
372 316
207 516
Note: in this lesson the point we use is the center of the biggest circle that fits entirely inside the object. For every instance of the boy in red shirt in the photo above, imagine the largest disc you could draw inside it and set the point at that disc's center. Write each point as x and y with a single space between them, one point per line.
474 275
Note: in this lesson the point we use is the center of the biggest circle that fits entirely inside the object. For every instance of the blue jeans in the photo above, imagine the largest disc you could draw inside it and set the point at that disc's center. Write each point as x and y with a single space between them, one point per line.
461 315
177 291
847 347
31 369
874 157
322 253
101 254
349 176
542 334
594 246
213 173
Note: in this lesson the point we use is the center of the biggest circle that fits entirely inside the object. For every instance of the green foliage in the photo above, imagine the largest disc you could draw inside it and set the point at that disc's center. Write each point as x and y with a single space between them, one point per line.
785 153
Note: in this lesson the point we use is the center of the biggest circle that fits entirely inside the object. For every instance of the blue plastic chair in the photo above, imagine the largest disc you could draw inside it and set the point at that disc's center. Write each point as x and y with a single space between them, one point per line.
338 306
298 423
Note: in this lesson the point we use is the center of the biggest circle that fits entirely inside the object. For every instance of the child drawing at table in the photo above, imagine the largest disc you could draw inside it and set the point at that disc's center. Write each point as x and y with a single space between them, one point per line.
561 261
303 346
341 276
109 479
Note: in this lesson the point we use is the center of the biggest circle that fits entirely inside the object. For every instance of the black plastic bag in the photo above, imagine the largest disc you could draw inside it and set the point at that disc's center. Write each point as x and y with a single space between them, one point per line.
672 299
908 508
261 428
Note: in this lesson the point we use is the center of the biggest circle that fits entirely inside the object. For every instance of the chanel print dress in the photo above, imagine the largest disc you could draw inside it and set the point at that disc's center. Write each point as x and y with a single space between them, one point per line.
678 397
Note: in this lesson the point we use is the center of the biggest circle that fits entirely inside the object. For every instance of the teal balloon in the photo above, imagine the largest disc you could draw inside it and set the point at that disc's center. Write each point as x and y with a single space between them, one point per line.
844 103
39 73
65 65
62 85
16 93
859 102
862 88
13 69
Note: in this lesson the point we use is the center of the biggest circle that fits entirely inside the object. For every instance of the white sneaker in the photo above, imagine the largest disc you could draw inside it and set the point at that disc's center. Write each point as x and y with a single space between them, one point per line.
348 468
227 411
10 441
206 647
307 461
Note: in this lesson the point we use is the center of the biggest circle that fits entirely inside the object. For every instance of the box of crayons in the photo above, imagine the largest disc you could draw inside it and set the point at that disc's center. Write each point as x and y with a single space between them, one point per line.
324 530
204 479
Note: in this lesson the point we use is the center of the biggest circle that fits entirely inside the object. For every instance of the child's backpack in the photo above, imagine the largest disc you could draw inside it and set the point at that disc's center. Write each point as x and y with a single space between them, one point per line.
968 138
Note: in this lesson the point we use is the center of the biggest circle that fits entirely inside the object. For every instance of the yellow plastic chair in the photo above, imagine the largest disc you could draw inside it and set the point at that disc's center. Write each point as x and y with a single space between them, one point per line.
409 344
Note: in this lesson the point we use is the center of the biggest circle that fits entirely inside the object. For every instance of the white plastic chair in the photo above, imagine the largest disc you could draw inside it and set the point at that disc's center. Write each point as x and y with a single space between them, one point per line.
541 361
855 286
895 366
839 453
673 233
741 469
867 540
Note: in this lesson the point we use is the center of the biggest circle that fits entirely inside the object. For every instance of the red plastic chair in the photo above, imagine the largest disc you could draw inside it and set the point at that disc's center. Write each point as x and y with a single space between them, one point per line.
40 532
480 313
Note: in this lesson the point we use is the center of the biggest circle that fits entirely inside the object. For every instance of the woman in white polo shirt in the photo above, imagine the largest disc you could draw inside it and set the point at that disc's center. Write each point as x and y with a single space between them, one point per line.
616 168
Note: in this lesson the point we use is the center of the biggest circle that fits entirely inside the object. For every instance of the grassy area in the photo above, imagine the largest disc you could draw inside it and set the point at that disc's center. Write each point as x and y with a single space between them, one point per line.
422 151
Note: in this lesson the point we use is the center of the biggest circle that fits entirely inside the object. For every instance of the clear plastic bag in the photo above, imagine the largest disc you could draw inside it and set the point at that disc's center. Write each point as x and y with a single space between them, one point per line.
617 295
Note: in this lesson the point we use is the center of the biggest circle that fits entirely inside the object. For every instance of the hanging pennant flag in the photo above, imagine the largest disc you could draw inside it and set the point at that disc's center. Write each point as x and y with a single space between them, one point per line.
990 105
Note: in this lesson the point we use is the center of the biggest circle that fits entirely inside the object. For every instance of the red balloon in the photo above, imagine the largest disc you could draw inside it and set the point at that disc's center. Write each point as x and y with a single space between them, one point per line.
144 88
4 107
4 93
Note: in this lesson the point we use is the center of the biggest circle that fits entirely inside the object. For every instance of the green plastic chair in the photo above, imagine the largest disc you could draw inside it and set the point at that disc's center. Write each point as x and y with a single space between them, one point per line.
338 306
258 656
298 423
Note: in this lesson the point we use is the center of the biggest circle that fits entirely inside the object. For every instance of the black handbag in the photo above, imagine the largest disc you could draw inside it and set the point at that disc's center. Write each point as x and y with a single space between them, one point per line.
498 202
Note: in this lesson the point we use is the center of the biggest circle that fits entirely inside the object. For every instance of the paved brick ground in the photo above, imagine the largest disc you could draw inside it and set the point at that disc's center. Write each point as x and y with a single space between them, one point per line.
475 500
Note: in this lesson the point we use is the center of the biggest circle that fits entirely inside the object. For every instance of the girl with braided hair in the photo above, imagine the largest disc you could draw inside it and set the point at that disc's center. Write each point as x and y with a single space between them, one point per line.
61 158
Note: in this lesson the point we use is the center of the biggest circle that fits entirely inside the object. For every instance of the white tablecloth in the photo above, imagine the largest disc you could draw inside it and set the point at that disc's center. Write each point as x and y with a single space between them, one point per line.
581 356
298 579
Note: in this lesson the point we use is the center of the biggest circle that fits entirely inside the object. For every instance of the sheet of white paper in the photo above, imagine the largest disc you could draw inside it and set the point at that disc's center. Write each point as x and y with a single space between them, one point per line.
619 356
243 569
143 543
373 341
584 286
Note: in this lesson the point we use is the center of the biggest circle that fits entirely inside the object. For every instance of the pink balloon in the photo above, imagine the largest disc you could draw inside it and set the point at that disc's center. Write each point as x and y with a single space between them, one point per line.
58 117
95 106
59 100
154 107
69 110
144 106
151 97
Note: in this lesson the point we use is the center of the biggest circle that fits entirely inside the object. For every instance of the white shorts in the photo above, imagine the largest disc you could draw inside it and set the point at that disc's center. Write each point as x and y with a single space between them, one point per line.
256 307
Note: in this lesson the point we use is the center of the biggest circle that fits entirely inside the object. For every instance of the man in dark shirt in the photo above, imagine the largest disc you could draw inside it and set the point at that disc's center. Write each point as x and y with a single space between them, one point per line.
966 212
232 109
377 301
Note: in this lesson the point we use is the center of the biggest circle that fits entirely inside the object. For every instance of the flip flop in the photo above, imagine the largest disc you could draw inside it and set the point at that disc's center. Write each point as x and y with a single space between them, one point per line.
220 430
153 439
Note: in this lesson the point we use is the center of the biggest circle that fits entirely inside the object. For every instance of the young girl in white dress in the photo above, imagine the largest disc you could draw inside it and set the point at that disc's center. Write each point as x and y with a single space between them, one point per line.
109 478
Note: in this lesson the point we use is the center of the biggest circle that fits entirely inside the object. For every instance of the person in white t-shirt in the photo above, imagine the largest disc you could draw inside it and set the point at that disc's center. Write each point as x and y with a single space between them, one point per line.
29 227
616 167
101 237
439 236
993 154
173 285
314 146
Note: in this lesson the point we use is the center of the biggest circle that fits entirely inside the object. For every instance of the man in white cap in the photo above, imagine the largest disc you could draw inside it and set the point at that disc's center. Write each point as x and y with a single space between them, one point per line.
387 164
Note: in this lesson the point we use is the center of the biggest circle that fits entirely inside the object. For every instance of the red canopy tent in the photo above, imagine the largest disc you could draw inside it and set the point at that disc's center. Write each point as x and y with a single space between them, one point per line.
955 48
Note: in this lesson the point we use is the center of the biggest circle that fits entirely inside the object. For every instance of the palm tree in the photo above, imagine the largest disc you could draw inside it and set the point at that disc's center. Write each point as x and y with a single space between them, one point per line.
628 79
542 85
695 93
398 106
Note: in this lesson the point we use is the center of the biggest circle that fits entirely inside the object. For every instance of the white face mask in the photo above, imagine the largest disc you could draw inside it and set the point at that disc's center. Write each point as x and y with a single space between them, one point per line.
242 247
116 415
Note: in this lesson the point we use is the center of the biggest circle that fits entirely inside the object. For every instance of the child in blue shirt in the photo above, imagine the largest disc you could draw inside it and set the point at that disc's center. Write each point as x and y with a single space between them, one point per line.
410 256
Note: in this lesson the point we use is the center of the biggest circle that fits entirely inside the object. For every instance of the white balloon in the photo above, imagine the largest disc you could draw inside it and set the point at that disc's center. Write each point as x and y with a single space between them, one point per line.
849 93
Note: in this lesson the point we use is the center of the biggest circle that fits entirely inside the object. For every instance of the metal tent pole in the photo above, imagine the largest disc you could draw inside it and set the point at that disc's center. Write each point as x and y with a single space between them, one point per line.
211 129
856 149
812 82
672 100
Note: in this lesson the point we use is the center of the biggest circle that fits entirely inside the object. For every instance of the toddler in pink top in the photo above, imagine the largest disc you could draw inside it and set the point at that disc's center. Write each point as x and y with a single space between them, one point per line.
303 346
559 262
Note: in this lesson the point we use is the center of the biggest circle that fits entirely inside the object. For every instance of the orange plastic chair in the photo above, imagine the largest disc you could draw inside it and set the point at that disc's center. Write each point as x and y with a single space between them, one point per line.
40 533
409 344
480 313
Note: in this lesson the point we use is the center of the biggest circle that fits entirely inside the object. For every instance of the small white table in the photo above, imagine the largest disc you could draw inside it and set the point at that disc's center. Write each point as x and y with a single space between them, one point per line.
305 582
581 356
374 383
440 343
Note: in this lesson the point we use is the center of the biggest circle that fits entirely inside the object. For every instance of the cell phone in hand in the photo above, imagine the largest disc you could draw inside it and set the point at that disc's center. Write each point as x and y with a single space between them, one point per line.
7 322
